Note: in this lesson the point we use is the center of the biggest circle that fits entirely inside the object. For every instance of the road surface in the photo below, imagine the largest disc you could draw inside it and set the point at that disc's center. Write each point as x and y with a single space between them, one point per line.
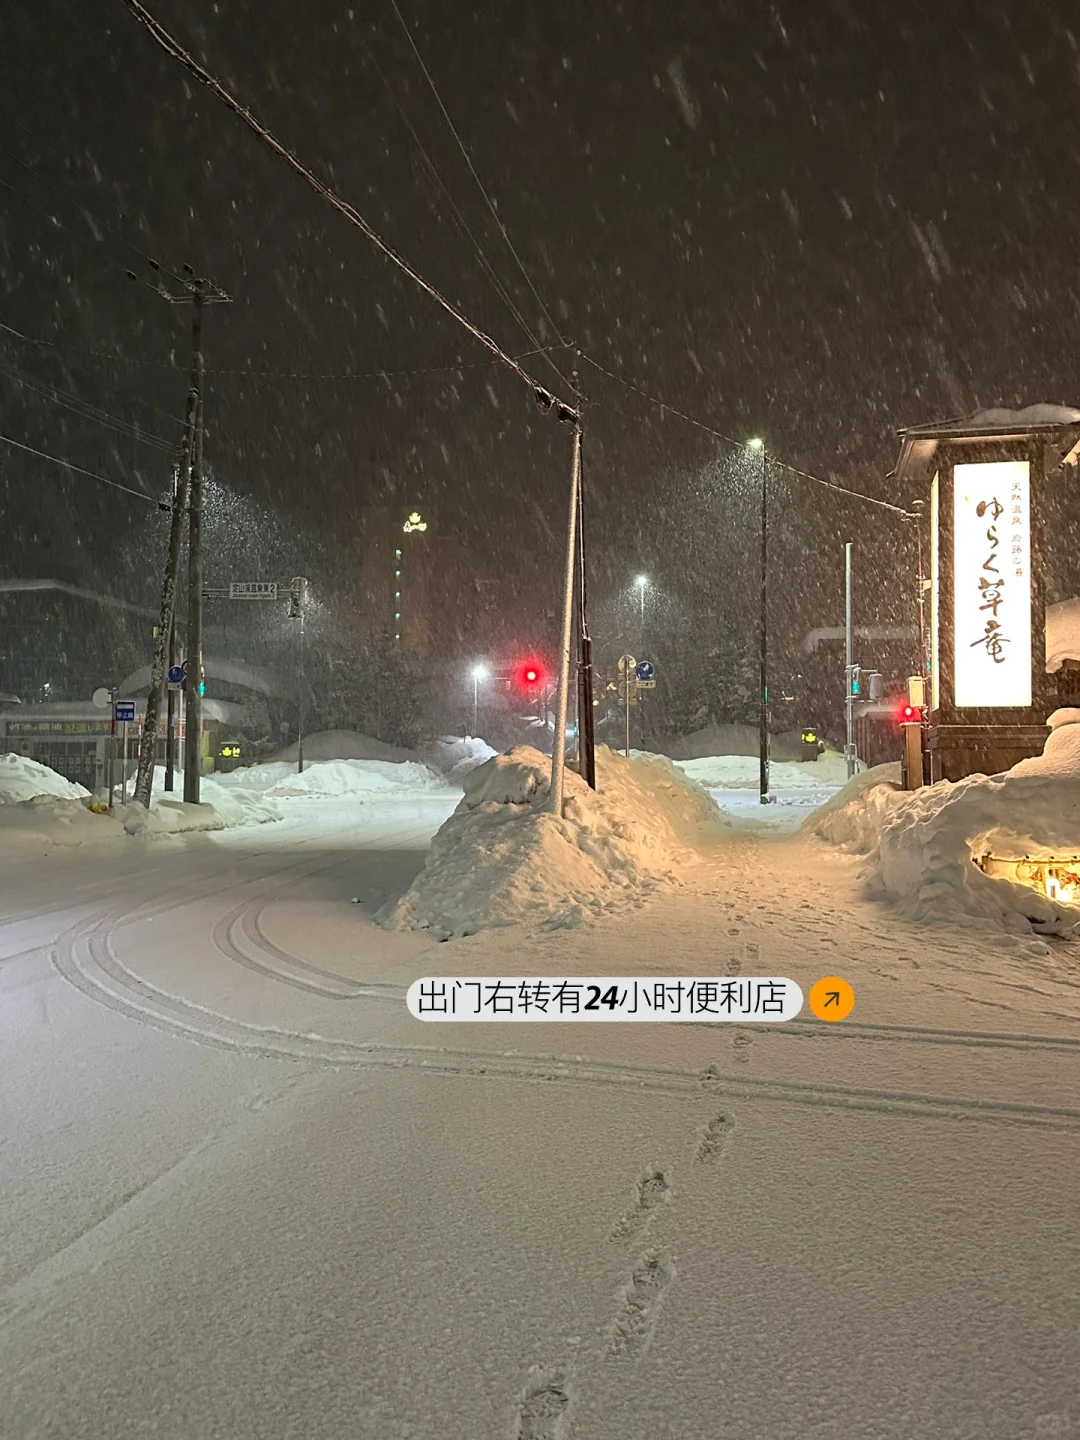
246 1195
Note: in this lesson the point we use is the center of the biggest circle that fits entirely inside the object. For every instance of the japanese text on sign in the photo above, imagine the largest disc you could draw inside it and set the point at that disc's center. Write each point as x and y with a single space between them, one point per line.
605 998
992 584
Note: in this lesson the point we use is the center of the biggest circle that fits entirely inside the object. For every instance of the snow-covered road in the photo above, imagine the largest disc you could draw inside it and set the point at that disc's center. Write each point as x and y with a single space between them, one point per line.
246 1195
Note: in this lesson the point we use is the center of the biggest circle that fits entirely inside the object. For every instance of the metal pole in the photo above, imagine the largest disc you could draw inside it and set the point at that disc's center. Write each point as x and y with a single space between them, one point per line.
112 743
170 716
626 684
558 745
300 721
475 704
763 737
123 768
193 732
849 665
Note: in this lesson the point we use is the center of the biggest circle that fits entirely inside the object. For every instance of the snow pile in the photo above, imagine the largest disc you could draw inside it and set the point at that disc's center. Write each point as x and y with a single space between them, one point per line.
342 745
330 780
222 807
502 858
48 820
22 778
455 757
922 845
741 772
731 740
1030 415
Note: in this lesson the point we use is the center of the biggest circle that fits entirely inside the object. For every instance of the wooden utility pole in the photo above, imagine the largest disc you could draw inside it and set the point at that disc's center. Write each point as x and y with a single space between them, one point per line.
196 292
144 778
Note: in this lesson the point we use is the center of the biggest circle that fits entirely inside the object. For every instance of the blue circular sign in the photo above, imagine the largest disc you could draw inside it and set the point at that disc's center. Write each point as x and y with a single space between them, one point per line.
644 670
176 674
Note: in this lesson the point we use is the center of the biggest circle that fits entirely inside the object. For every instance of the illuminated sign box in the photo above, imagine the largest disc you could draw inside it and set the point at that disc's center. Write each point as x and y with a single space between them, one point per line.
992 585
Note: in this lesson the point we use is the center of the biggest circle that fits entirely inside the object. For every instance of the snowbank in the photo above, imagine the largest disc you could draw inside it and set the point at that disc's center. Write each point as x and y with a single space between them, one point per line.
342 745
329 780
922 845
502 858
740 772
22 778
733 740
457 757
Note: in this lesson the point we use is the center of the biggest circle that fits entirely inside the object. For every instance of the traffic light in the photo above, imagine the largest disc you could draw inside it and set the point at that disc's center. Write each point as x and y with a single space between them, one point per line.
530 674
910 715
297 597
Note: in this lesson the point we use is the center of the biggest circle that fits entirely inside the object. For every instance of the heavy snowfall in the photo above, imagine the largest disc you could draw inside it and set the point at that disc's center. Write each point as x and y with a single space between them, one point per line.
247 1194
539 721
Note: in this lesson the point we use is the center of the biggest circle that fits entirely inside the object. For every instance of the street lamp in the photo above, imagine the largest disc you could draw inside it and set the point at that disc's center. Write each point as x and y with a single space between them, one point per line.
757 447
642 583
479 672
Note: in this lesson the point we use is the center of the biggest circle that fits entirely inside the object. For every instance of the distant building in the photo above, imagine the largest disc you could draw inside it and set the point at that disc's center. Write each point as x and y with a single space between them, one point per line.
414 584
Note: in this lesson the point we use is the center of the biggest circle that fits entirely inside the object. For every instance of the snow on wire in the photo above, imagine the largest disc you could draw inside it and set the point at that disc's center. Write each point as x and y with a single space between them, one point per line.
605 998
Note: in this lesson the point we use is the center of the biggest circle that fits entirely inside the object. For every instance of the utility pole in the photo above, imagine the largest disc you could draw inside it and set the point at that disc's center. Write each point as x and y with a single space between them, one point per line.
148 740
586 726
558 745
193 729
196 292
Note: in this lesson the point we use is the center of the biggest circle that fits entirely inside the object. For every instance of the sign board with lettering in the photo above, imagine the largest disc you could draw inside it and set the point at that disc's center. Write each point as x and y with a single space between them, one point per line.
991 599
253 590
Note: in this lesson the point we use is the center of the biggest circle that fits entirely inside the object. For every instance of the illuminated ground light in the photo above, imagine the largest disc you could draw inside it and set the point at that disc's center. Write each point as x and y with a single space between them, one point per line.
1056 876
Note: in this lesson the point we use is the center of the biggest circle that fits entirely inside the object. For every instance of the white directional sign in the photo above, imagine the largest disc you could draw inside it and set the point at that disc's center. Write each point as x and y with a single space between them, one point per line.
253 590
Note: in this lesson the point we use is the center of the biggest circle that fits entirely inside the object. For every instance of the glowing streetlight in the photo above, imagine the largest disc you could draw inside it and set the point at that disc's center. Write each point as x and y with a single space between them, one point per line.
479 672
642 584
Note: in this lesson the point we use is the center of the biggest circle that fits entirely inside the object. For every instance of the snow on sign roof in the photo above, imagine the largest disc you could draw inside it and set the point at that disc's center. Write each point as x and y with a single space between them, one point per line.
1032 417
1058 426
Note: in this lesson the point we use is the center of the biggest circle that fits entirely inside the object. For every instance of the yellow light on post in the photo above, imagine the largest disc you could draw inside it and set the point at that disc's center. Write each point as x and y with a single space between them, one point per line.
756 444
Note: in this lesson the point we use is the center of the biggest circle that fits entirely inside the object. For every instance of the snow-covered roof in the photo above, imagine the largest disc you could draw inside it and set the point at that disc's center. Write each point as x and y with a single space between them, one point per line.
1057 426
999 420
1062 634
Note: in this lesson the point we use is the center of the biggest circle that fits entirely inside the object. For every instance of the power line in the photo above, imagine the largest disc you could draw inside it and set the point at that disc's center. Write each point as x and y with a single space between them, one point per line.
434 175
66 195
251 374
85 409
740 445
81 239
174 48
67 464
472 171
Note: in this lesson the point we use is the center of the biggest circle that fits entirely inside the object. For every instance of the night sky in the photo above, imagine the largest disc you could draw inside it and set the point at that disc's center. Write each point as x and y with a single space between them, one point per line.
813 223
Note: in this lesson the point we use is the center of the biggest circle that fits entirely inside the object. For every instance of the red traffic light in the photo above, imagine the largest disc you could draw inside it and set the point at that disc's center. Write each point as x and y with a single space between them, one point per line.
530 673
910 715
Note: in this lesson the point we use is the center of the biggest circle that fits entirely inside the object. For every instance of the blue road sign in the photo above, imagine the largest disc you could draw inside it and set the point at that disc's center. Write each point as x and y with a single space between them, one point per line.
176 674
644 670
125 711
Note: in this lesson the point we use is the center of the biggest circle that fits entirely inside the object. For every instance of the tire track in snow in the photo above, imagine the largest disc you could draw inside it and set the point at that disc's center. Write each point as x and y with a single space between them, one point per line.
84 957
